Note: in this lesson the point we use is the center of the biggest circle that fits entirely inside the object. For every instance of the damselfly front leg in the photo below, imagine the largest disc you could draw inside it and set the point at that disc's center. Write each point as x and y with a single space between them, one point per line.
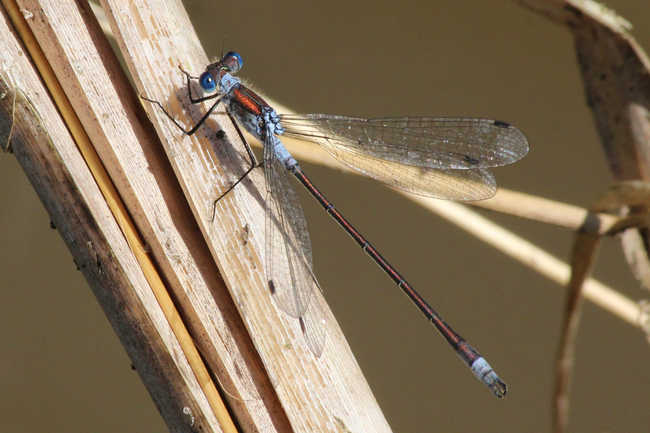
207 83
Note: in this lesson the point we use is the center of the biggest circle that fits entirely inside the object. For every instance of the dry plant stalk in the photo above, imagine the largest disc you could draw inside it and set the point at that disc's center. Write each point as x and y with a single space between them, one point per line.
308 394
78 209
616 75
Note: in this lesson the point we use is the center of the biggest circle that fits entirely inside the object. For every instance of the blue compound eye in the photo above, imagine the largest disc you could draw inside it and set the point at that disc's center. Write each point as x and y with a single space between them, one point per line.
232 62
207 82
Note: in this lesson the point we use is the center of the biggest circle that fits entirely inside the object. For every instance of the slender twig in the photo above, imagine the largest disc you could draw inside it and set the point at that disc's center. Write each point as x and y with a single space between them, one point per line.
583 257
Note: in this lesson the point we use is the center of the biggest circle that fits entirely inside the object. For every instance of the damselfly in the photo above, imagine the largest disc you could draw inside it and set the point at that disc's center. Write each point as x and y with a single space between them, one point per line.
445 158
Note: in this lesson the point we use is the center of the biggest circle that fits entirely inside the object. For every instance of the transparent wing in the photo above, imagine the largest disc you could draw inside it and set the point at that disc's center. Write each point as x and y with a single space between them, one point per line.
433 142
314 327
288 248
460 185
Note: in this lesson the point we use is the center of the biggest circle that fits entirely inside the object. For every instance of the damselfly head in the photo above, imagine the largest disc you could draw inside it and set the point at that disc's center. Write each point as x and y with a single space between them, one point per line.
230 63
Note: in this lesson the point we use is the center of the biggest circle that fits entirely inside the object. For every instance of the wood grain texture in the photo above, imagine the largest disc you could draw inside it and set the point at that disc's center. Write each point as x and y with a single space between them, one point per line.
60 176
318 394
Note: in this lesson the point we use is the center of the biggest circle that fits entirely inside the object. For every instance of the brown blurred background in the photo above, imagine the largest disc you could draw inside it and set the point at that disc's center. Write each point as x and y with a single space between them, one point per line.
62 368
